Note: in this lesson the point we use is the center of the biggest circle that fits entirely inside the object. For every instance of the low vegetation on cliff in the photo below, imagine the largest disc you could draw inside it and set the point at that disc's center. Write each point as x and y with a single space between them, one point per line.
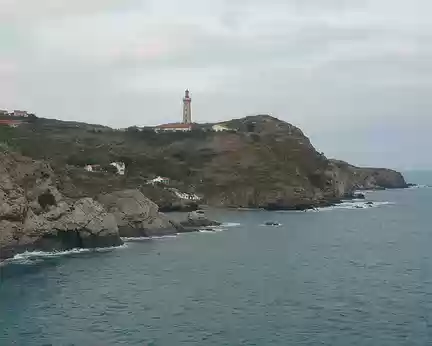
48 201
263 162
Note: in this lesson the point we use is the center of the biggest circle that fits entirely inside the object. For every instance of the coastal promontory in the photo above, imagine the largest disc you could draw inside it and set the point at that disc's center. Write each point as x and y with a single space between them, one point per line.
34 215
65 185
254 162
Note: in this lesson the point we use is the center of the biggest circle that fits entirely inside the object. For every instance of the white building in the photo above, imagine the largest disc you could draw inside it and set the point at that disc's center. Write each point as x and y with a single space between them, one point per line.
120 166
187 196
89 168
93 168
174 128
186 124
159 180
220 128
21 114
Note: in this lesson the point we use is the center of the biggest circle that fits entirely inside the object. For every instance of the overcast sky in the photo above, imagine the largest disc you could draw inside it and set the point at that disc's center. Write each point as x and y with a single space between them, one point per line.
355 75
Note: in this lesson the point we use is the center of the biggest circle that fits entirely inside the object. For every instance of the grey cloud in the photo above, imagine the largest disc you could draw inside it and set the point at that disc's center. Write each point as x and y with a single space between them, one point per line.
30 11
354 74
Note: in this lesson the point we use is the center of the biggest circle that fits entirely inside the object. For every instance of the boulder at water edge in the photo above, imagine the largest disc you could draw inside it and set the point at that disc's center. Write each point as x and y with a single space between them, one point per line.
136 215
196 220
35 216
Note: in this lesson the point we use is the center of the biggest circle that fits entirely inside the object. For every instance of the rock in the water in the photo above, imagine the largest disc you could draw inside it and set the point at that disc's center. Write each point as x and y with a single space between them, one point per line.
37 217
95 227
272 223
359 196
136 215
196 220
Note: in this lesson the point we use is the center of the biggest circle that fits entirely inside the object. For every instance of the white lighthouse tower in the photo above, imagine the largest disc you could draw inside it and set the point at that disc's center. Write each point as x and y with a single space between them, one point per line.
187 109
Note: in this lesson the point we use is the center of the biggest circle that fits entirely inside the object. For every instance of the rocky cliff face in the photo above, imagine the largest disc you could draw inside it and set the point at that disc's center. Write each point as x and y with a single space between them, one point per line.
35 216
266 163
262 163
136 215
357 178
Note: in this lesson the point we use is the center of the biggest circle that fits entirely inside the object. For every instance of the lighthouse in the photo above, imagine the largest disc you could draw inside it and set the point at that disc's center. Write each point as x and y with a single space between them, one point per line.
187 110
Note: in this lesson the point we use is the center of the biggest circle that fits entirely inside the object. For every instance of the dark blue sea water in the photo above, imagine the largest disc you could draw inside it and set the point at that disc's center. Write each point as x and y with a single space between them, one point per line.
337 277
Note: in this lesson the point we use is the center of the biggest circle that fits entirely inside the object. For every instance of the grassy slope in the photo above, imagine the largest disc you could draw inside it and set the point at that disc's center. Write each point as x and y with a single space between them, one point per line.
265 161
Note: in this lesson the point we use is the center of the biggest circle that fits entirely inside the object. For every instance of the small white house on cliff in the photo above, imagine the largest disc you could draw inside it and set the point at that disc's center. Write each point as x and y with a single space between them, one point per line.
220 128
186 196
120 166
174 128
93 168
159 180
21 114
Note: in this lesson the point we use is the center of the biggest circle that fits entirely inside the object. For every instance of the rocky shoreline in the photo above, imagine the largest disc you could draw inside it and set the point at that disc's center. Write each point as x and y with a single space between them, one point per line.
264 164
35 216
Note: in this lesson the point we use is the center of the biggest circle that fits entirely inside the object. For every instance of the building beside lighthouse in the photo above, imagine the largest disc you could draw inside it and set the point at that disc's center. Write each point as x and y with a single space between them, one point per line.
186 124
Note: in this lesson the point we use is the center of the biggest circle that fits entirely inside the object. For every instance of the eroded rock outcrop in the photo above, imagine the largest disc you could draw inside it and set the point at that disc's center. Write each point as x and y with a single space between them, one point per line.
358 178
35 216
136 215
196 220
262 162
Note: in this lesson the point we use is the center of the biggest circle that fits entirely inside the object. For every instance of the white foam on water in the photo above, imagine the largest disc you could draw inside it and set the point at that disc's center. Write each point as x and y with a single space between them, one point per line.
212 230
355 205
134 239
3 263
33 257
138 239
231 224
420 187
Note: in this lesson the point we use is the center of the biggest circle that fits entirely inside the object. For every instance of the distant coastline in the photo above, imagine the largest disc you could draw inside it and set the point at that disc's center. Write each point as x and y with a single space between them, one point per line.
420 177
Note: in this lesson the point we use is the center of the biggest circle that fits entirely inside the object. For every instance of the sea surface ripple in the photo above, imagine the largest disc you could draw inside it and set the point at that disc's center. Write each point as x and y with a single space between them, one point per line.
336 277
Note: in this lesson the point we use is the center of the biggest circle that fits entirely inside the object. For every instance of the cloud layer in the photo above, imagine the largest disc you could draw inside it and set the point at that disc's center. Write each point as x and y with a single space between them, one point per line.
354 74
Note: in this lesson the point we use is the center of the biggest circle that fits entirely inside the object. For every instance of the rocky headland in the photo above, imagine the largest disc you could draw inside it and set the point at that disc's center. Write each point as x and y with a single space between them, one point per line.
49 202
137 216
34 215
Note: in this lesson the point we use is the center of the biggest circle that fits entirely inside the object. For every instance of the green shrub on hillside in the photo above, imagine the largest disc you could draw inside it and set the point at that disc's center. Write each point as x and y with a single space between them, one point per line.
80 160
7 136
4 147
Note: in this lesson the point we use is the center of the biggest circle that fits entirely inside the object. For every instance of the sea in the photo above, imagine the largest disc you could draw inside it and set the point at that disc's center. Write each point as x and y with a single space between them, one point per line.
354 274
